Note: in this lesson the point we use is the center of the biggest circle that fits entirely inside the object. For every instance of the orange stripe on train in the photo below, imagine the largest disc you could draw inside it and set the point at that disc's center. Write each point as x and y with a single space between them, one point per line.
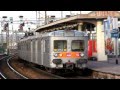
69 55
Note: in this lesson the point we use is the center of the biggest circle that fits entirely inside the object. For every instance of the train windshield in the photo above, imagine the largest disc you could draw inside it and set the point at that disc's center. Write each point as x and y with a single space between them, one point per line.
77 45
60 45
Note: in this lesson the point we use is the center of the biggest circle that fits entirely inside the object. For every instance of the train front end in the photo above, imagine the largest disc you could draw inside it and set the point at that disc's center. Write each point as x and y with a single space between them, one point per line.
70 52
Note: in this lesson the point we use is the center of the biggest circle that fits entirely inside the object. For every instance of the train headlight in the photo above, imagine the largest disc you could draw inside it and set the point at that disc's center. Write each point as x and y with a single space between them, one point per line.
60 55
56 54
82 54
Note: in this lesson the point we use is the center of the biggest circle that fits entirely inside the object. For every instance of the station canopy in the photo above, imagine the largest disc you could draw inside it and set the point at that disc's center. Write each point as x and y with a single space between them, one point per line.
73 21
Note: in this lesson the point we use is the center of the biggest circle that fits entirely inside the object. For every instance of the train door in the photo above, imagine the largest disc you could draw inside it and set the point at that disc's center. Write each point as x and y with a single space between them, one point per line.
36 51
42 50
31 50
118 46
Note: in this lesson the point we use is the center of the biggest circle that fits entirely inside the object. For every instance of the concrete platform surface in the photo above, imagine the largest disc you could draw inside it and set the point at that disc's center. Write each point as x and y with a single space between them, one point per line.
109 66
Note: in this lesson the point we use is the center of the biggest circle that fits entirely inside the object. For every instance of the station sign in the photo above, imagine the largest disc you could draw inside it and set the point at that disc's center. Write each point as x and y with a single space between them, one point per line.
105 13
11 19
112 24
111 27
115 23
115 35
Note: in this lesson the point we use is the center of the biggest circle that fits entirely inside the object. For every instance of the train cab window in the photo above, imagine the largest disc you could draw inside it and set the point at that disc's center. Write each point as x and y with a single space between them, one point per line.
77 45
60 45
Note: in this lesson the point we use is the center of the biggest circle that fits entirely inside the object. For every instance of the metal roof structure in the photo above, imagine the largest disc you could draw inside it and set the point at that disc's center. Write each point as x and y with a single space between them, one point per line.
73 21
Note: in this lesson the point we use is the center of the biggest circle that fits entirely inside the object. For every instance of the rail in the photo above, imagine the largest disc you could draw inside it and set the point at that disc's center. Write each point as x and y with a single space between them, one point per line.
2 76
48 74
14 69
6 59
0 72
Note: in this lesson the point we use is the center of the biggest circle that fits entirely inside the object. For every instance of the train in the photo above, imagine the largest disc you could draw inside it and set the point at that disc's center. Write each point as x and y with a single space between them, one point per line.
61 49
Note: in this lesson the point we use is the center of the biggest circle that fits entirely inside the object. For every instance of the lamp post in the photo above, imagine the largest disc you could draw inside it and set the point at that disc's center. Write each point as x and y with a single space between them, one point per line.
80 13
2 41
21 26
39 17
61 14
21 19
70 13
12 38
7 33
36 19
45 17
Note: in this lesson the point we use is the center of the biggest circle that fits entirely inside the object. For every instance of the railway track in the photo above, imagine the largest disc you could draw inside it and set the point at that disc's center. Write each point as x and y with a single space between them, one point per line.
72 75
50 75
2 76
32 72
86 74
7 72
64 76
76 76
41 73
15 69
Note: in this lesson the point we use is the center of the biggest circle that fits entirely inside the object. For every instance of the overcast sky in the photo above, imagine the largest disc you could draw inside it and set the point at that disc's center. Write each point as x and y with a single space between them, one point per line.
32 14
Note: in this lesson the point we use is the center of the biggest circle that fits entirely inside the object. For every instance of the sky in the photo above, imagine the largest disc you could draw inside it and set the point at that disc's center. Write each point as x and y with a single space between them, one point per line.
31 15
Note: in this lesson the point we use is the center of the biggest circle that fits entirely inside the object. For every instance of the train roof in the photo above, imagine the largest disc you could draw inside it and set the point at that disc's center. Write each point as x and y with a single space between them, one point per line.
58 33
65 33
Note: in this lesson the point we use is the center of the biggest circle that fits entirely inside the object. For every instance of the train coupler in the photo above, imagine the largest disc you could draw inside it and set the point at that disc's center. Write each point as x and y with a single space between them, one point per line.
69 65
81 63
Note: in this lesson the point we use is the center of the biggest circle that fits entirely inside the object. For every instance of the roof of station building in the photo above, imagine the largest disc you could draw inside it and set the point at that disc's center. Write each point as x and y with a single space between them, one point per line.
74 20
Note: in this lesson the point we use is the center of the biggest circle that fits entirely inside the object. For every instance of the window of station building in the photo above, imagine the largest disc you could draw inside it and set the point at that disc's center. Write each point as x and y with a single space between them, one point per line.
60 45
77 45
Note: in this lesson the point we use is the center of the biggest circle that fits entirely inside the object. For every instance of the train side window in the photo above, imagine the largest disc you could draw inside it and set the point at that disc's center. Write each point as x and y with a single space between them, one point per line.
60 45
77 45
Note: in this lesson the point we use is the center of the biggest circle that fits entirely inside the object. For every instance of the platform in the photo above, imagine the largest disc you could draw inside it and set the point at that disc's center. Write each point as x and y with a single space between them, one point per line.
109 66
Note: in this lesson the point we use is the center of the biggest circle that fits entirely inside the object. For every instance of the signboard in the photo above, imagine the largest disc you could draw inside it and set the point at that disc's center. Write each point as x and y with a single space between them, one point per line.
11 19
115 35
115 23
105 13
111 25
107 28
106 25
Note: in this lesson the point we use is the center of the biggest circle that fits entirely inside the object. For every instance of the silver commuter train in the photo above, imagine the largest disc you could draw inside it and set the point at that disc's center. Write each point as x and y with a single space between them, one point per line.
57 49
